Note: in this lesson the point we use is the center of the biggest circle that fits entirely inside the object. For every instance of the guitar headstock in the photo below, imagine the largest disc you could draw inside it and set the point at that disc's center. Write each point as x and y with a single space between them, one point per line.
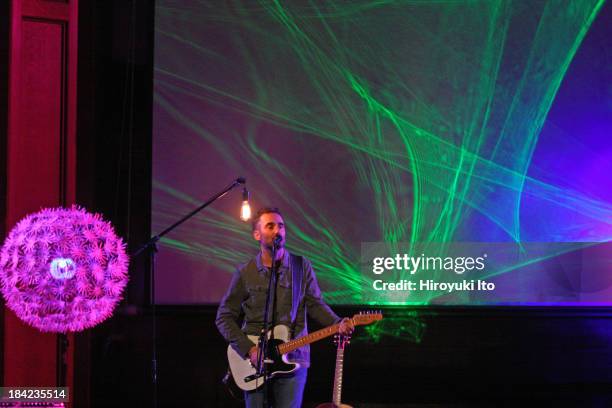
341 340
367 317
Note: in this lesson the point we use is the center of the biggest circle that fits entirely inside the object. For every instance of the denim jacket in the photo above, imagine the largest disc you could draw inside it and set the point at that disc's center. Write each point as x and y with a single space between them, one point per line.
245 300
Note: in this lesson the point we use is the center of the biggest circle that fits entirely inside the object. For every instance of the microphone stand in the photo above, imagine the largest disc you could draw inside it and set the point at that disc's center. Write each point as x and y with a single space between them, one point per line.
263 352
151 246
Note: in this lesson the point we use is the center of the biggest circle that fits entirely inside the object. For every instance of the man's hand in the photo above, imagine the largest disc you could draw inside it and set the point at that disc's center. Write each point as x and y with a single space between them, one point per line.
346 327
253 356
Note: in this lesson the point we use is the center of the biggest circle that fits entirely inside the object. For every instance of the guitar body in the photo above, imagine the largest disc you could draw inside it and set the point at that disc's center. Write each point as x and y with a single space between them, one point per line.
245 374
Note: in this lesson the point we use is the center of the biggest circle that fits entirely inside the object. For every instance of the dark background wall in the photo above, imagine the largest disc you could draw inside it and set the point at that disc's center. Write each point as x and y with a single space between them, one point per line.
477 356
114 178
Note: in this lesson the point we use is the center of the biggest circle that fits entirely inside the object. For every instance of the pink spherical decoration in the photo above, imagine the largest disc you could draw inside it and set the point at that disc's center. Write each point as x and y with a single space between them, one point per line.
63 269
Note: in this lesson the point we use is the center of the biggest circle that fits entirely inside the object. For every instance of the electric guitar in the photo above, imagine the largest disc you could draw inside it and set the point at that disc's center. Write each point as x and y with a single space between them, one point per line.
341 341
246 376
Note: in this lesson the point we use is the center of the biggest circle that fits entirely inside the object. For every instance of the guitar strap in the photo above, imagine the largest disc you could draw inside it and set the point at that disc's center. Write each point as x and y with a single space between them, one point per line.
297 272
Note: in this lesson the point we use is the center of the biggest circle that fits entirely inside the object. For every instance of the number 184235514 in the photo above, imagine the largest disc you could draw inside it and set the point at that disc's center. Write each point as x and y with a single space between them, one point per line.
34 394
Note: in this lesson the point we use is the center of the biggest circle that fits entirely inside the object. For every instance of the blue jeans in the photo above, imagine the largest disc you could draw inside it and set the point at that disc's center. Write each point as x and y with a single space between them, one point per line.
283 392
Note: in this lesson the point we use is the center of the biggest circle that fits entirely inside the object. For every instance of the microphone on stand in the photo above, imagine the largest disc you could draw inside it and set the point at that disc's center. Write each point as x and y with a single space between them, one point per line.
276 246
277 241
245 210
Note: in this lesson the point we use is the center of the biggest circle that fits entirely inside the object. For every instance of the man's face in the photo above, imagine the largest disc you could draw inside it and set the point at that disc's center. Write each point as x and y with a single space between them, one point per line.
269 226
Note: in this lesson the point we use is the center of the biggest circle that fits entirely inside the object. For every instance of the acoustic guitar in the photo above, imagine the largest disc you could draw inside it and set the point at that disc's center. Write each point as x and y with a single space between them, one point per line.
341 341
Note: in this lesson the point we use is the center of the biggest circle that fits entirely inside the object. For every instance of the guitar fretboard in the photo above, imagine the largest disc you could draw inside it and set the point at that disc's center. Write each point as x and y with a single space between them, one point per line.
337 393
310 338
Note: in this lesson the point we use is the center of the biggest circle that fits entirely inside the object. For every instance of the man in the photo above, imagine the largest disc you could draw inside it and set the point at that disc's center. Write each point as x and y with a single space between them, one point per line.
246 296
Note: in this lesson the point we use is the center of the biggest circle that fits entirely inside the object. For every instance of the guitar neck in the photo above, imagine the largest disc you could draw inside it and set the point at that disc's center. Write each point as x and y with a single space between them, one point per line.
310 338
337 393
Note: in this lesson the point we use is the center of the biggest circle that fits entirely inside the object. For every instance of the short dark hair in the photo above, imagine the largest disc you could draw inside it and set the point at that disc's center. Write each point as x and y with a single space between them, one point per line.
262 211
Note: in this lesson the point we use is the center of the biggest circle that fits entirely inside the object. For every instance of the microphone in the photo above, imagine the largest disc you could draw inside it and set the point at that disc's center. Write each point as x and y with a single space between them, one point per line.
277 240
245 210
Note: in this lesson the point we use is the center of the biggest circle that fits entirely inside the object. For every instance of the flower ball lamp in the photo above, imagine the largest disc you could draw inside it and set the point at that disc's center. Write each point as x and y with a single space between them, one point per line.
63 270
